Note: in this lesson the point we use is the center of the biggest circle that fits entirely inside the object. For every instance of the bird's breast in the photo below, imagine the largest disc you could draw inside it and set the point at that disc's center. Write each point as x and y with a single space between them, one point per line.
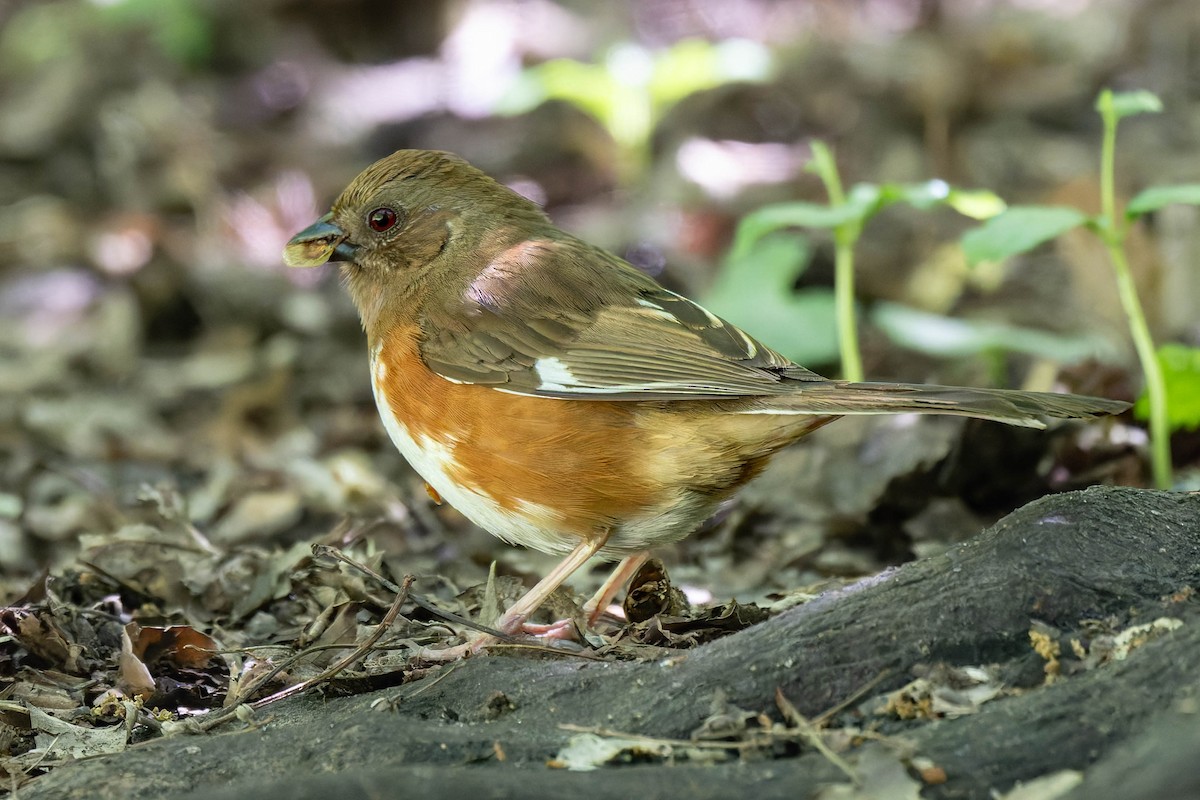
539 472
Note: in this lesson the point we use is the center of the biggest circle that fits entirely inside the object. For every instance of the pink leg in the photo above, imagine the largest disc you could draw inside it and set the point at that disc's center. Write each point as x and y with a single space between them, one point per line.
620 576
513 620
515 617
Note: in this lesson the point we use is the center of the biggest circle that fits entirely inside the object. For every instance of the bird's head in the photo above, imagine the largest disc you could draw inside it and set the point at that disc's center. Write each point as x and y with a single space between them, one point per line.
413 216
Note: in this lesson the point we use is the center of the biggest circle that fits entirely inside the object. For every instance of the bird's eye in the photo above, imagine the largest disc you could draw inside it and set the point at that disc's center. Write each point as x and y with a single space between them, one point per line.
381 219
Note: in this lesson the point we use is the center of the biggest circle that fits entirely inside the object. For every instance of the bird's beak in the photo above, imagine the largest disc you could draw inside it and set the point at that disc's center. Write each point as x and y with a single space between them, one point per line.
318 243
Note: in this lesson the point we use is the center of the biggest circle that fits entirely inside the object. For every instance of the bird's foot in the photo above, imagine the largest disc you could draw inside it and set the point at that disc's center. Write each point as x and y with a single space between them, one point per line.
560 630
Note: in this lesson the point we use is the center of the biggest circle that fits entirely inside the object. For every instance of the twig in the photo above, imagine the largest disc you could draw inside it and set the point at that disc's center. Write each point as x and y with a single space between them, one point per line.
213 720
803 729
699 744
45 754
230 711
424 687
504 639
361 650
329 551
821 719
812 734
514 644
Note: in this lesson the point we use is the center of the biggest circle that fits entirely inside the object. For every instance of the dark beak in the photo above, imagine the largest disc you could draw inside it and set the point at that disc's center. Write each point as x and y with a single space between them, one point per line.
319 243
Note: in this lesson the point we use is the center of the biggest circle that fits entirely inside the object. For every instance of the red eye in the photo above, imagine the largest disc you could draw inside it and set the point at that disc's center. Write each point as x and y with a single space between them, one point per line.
381 219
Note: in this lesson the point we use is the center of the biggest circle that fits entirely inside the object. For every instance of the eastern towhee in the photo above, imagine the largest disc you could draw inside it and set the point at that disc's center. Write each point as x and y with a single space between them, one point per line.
558 397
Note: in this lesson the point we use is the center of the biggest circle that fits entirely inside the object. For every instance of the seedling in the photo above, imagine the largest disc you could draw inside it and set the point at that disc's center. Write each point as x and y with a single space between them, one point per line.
845 215
1021 228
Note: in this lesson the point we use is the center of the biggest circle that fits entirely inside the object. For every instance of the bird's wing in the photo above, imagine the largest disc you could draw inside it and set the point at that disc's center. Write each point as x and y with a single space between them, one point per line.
560 318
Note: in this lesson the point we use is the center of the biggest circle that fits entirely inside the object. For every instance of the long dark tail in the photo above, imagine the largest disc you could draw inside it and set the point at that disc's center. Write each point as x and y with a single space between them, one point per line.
1002 405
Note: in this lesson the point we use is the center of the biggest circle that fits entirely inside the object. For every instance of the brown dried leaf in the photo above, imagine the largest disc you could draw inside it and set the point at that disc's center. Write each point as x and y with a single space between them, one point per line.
133 678
181 645
40 634
650 592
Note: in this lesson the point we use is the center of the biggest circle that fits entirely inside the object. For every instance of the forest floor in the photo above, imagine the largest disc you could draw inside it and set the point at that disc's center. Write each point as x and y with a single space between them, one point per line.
206 536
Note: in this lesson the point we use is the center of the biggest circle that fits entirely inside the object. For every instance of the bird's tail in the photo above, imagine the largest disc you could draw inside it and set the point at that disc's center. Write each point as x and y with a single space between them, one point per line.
1001 405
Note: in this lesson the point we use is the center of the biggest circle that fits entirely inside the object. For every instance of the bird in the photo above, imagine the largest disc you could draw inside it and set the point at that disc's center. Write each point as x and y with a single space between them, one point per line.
560 398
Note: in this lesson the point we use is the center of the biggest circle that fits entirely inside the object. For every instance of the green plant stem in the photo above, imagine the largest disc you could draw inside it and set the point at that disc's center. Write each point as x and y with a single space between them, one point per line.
843 295
1113 233
1156 387
1108 193
844 238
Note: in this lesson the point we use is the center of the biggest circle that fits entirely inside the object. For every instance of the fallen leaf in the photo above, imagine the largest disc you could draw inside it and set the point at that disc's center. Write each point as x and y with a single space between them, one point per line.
55 737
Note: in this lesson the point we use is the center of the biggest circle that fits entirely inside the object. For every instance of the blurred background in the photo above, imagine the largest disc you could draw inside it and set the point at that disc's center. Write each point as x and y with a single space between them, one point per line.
160 368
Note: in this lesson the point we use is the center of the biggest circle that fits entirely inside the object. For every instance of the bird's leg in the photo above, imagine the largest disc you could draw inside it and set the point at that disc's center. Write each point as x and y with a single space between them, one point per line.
514 619
620 576
596 606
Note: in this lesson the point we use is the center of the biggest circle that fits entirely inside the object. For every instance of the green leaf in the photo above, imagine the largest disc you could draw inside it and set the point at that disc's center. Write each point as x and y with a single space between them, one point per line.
1127 104
769 219
813 215
919 195
771 265
1155 197
633 86
976 203
182 29
1181 373
692 65
863 202
946 337
1019 230
755 293
866 199
586 86
686 67
623 109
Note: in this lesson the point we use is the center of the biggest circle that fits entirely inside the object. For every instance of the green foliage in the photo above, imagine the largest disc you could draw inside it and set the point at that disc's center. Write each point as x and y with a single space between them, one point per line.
630 89
692 65
180 28
754 290
1181 373
863 202
1156 197
846 214
43 32
1007 232
1170 399
767 220
950 337
40 33
974 203
1172 372
1022 228
1019 230
1118 105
